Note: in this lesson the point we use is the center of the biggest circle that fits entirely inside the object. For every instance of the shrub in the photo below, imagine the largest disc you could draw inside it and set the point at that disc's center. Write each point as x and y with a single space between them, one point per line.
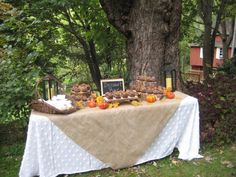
217 101
229 67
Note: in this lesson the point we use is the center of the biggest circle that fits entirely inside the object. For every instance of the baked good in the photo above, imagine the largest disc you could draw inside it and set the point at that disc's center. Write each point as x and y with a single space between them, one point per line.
109 95
125 95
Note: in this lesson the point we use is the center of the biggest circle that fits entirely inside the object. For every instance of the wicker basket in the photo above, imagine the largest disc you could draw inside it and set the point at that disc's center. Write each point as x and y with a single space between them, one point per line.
42 106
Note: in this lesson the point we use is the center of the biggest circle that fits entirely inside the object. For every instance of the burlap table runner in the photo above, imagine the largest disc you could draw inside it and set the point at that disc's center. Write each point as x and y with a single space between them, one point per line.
118 137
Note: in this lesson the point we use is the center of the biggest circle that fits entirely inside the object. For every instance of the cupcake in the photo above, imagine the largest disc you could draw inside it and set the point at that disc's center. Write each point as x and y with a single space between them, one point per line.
143 90
109 95
117 95
84 88
125 95
156 91
84 98
132 94
149 91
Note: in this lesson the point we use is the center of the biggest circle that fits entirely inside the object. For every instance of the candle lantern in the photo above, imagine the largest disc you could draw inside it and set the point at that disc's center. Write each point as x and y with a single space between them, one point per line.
50 86
170 77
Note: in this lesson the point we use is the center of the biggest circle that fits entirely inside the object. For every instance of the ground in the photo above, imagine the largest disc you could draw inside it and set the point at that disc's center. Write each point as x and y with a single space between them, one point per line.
217 162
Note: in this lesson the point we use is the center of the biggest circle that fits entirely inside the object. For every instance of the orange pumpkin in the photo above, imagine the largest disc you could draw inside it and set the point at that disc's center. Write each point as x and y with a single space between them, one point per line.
151 98
170 95
92 103
103 105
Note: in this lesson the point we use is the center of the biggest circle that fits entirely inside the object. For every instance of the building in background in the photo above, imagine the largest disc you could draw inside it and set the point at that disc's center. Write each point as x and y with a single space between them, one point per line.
196 55
196 59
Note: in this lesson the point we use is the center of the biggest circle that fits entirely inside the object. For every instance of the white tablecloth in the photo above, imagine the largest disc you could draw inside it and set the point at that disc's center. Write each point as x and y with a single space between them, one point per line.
49 152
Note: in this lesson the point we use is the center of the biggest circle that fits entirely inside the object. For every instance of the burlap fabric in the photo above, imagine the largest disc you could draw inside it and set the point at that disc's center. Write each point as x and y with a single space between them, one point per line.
117 137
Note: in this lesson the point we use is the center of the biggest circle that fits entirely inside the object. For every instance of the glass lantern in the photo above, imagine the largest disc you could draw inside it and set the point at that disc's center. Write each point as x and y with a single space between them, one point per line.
50 87
170 77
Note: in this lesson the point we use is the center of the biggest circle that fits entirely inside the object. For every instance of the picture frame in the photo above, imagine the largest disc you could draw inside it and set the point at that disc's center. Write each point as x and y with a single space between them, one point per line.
109 85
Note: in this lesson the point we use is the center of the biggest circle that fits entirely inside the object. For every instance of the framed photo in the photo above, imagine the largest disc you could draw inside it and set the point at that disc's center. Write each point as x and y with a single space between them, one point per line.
109 85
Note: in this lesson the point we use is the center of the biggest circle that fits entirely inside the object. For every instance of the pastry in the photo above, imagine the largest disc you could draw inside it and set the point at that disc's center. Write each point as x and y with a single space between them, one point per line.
125 95
109 95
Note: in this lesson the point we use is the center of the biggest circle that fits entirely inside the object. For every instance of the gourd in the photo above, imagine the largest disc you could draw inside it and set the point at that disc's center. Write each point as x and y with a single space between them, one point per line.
151 98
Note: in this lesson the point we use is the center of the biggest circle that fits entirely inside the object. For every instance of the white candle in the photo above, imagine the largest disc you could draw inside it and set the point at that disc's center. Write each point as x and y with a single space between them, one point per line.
168 83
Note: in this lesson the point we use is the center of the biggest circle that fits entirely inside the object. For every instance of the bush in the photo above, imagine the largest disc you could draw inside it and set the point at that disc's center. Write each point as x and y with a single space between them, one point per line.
217 101
229 67
16 89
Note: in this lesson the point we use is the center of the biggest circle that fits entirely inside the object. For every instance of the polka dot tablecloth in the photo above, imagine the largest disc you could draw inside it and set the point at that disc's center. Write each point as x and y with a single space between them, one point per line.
49 152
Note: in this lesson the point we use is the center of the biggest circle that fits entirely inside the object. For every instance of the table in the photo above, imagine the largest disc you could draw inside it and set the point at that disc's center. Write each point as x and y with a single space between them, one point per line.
49 152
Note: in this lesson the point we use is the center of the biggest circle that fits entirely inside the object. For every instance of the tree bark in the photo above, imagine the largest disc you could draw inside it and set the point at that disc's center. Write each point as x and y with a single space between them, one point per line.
226 36
152 31
93 65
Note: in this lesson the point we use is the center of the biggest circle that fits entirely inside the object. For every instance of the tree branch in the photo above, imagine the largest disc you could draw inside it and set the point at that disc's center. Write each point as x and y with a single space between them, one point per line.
218 18
117 13
73 31
79 18
72 18
200 8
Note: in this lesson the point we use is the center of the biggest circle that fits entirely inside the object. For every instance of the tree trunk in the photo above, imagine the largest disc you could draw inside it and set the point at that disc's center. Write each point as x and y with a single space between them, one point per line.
90 56
152 31
206 9
207 52
93 65
88 47
226 36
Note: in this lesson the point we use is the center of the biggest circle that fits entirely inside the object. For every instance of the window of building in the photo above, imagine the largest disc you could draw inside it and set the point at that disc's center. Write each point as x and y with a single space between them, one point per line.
219 53
201 53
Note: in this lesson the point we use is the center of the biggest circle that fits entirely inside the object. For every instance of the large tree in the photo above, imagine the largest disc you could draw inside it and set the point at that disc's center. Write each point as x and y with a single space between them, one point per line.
152 29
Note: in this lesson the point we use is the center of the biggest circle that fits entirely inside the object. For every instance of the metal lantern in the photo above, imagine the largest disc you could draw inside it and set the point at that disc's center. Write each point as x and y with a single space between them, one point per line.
170 77
50 87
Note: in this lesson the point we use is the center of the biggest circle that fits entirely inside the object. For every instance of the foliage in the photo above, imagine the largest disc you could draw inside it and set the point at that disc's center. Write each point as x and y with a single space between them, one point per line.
229 67
230 8
189 13
217 101
84 35
191 31
17 71
184 55
36 39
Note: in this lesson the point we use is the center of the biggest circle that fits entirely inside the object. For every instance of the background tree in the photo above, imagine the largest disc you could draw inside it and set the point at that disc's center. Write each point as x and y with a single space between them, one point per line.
17 69
226 33
152 32
83 25
207 8
227 27
190 32
41 38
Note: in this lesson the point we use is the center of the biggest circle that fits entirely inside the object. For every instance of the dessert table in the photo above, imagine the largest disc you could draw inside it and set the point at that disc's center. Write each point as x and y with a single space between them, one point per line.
50 152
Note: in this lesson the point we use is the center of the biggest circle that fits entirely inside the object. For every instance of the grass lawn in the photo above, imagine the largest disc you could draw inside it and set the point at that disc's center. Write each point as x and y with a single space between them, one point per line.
217 162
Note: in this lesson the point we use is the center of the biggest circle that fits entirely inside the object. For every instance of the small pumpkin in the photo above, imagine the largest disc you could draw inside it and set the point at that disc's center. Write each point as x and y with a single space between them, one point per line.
92 103
80 104
170 95
99 100
103 105
151 98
